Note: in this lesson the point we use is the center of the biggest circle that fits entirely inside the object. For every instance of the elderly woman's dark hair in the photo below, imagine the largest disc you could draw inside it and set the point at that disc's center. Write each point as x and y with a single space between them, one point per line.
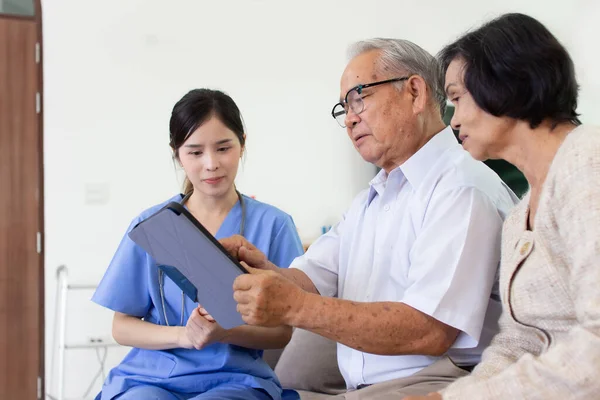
515 67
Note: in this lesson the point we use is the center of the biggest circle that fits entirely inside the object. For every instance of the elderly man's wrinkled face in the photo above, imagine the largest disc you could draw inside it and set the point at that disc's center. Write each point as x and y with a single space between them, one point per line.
383 132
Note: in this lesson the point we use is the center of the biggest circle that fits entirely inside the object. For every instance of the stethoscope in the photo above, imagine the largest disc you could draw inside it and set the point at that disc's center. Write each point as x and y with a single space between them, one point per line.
161 274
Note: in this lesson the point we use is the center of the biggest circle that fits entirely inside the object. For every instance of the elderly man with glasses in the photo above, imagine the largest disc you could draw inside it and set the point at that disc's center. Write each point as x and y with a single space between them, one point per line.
405 282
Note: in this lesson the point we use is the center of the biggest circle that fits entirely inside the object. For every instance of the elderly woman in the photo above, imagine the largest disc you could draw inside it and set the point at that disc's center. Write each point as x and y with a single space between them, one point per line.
514 89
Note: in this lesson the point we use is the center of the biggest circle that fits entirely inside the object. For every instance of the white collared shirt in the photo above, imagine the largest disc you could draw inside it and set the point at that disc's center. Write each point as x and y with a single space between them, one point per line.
427 235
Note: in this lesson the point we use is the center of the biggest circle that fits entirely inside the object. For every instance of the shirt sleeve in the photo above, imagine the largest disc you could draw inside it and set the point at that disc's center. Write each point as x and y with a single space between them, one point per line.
124 287
454 261
285 245
321 261
569 368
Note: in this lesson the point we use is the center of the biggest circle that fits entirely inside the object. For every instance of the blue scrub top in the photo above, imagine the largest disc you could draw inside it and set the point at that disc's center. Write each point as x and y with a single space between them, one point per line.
130 286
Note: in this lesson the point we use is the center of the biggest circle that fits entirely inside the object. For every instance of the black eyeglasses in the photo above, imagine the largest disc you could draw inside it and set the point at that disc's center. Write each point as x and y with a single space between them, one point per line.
354 100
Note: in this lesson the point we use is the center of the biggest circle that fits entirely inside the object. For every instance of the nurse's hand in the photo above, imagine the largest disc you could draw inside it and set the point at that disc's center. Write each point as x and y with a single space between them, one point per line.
201 330
244 251
267 298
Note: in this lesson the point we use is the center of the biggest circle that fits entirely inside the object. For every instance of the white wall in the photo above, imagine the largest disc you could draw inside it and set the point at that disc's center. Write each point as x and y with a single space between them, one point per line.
113 70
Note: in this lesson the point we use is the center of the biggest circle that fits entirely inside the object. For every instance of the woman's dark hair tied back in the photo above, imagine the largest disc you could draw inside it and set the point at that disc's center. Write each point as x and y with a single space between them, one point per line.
197 107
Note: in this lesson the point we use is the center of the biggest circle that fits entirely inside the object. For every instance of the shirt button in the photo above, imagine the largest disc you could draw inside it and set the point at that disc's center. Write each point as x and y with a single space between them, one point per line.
525 248
543 338
386 207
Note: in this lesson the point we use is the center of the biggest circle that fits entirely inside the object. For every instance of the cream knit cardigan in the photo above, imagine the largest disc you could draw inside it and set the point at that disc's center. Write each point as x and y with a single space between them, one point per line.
549 341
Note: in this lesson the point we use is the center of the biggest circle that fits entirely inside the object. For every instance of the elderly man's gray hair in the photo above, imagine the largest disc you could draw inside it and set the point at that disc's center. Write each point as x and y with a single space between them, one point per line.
400 57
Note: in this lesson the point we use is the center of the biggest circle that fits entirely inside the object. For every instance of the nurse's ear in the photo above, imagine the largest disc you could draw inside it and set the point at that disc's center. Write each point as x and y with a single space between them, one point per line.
175 157
243 147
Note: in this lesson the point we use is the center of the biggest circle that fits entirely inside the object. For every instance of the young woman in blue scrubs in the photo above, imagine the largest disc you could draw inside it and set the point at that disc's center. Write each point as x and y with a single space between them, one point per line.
179 351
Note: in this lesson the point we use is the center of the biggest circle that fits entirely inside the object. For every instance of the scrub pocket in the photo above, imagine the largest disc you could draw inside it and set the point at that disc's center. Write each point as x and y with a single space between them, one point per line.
153 363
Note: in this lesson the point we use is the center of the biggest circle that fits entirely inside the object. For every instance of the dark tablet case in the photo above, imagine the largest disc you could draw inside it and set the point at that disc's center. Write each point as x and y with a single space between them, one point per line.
191 257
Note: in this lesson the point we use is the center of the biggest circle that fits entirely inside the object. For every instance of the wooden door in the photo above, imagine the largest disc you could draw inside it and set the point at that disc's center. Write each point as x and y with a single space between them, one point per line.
21 209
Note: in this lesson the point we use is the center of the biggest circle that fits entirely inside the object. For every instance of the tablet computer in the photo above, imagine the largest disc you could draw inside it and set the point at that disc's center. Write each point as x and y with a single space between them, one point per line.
193 259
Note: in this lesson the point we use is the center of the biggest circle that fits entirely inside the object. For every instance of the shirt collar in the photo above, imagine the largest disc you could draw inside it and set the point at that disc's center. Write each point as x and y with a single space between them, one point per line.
377 185
417 166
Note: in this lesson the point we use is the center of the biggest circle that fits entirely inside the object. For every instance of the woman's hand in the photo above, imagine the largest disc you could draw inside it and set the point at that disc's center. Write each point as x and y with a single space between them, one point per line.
201 330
